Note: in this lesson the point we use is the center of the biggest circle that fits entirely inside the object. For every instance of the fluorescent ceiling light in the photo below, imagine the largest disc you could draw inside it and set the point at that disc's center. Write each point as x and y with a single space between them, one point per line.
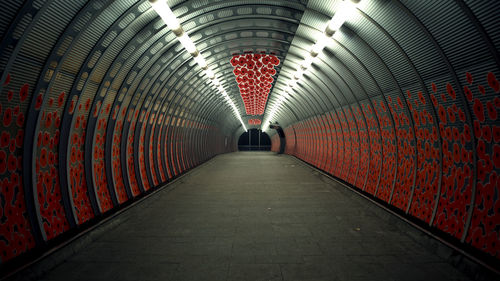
200 61
210 73
306 63
346 10
323 40
298 75
187 43
166 14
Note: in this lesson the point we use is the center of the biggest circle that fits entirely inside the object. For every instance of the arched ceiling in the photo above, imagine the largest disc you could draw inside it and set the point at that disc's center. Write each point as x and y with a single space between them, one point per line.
103 83
385 47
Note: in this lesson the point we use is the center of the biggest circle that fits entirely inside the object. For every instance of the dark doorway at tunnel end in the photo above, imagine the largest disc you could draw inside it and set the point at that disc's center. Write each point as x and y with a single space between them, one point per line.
254 140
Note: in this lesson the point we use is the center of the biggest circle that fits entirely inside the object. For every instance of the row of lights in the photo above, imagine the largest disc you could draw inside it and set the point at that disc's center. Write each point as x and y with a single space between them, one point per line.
346 10
163 10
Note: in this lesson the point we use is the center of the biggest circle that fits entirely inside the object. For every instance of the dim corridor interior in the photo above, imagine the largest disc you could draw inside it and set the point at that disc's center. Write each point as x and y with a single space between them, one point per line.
256 216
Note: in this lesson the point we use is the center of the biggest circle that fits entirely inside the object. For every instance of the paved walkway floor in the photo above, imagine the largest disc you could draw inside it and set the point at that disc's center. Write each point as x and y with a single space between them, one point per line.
255 216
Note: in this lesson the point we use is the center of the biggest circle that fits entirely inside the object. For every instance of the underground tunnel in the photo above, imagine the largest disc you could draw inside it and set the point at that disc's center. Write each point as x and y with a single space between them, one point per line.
121 122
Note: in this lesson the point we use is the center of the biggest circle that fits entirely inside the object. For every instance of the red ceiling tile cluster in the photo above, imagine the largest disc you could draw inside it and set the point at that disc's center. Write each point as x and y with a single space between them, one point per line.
254 75
254 121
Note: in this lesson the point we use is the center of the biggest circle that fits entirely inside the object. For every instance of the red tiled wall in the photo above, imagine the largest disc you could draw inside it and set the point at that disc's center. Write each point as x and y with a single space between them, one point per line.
395 145
15 228
17 235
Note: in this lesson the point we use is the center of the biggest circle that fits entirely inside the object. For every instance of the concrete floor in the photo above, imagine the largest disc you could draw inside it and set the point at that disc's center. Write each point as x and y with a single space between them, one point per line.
255 216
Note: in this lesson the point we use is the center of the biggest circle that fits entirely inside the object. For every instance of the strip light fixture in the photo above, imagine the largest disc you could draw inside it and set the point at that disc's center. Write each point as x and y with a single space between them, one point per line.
163 10
346 9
